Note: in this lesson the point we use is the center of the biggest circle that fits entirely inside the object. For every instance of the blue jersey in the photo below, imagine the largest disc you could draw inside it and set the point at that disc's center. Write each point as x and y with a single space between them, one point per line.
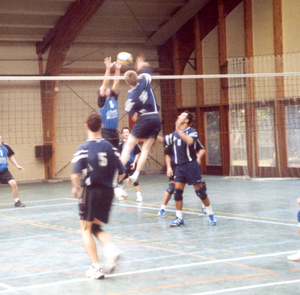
109 111
169 150
135 151
141 98
183 153
5 151
99 162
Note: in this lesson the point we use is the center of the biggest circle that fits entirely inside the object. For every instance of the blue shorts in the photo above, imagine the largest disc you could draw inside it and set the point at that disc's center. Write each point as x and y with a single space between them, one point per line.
147 126
188 173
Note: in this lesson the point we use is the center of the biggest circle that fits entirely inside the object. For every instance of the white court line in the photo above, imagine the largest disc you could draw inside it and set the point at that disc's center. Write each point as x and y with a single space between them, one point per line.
166 268
34 207
248 287
219 216
7 287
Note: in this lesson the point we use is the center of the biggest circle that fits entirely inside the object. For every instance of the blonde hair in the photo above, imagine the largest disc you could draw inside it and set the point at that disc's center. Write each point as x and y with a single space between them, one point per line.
131 78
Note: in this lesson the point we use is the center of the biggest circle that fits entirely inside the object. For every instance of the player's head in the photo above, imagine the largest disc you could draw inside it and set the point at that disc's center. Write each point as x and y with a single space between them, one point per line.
125 132
131 78
185 118
189 116
94 121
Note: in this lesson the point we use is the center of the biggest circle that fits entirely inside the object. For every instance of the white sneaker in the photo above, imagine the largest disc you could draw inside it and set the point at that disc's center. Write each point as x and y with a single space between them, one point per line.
118 191
111 261
139 198
294 257
124 194
95 273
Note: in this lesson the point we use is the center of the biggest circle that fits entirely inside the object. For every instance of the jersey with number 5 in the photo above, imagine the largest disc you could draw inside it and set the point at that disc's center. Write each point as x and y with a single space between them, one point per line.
99 162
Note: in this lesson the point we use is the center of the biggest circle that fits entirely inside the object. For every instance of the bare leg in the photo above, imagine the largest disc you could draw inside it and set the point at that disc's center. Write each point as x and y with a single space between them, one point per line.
130 144
144 154
14 187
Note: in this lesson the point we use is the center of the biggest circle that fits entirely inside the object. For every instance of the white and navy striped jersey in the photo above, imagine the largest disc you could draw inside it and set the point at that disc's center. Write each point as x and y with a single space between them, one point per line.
141 98
5 151
183 153
99 162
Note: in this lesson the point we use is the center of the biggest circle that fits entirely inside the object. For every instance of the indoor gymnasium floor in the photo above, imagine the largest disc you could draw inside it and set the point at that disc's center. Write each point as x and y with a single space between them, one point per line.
41 248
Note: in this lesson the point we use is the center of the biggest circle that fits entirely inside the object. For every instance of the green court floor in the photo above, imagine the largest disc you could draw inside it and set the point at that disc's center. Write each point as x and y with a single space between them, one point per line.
41 250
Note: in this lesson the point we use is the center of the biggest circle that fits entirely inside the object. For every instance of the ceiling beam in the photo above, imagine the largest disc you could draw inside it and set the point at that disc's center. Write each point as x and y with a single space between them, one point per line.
180 18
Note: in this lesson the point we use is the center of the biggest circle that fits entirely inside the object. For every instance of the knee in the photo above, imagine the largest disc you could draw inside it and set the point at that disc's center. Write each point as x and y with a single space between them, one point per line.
171 188
96 229
178 195
13 184
201 193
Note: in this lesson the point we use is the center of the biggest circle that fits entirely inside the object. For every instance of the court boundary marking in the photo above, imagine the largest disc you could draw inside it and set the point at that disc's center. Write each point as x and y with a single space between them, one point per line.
13 289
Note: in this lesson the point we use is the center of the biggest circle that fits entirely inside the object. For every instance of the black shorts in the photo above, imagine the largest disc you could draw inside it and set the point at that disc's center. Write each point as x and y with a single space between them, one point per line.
111 136
147 126
95 203
188 173
5 176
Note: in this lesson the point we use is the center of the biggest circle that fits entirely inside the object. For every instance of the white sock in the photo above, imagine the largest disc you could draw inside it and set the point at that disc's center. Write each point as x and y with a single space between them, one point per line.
96 265
138 194
163 206
17 200
135 175
203 206
179 214
209 210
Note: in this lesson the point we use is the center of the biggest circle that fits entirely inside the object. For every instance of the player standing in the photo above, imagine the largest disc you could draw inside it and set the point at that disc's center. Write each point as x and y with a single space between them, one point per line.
99 162
184 140
107 104
141 105
5 176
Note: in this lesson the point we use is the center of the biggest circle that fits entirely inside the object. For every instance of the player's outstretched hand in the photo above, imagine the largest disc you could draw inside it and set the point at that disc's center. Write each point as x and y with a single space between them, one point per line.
108 63
140 63
118 65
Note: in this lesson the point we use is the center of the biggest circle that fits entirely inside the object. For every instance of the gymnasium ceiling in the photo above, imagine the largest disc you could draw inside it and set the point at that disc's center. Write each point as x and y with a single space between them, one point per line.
144 22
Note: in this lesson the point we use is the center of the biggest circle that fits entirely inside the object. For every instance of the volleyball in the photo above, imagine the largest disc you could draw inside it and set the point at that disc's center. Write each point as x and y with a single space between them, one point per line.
125 58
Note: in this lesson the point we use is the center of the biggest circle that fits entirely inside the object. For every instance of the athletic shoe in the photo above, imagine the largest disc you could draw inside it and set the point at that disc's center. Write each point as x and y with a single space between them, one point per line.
124 194
139 198
19 204
118 191
294 257
212 219
161 213
176 222
95 273
121 199
204 210
111 262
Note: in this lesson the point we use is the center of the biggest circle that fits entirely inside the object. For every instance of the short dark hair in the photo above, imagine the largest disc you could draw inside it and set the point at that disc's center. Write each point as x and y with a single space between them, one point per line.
125 128
94 121
189 116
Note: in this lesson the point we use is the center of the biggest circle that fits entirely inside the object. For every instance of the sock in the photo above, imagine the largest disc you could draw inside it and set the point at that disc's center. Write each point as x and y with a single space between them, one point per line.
179 214
135 175
203 206
96 265
138 194
17 200
209 210
163 206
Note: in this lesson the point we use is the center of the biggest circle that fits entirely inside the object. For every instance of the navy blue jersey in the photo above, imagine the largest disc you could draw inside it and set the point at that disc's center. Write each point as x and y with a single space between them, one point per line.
141 98
5 151
170 151
183 152
99 162
108 109
135 151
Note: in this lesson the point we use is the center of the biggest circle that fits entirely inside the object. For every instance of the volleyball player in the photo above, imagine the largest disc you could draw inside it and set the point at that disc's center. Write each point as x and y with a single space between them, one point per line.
130 168
171 169
98 161
184 140
5 176
107 104
141 105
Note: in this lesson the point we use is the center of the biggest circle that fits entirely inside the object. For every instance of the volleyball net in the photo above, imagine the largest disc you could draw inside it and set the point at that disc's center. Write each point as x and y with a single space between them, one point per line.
262 112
